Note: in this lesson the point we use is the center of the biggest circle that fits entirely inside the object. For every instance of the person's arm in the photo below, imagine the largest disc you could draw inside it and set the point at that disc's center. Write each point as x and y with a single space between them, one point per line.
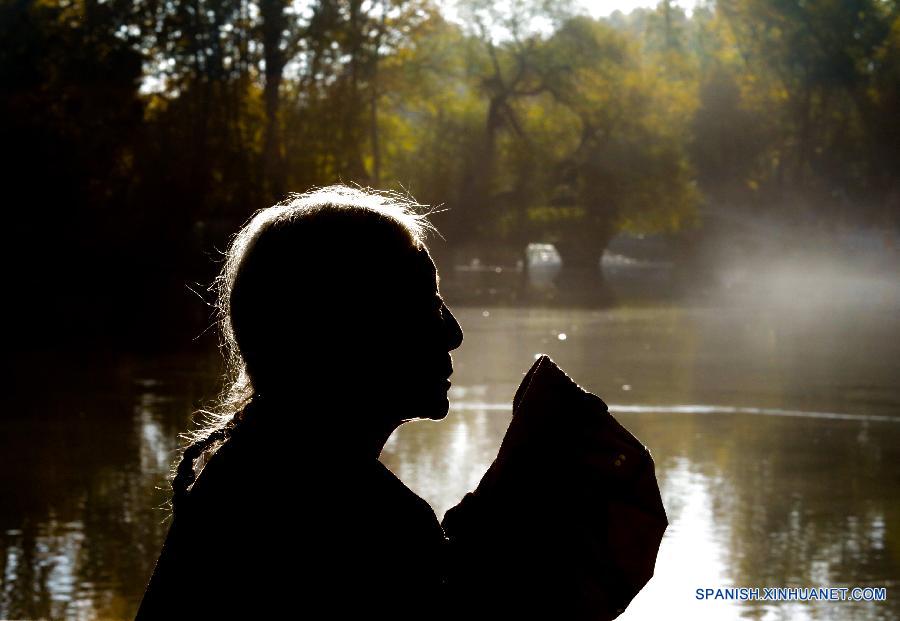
567 521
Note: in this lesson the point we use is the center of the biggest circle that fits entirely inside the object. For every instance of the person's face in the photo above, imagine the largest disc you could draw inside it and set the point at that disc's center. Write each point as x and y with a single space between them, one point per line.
441 335
417 358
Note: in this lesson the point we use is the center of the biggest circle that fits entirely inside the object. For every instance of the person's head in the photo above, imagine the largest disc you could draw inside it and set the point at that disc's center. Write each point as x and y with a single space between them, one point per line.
332 296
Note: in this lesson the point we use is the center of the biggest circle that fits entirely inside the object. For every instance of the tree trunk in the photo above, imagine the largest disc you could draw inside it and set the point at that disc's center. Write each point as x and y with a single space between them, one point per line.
376 144
580 281
273 26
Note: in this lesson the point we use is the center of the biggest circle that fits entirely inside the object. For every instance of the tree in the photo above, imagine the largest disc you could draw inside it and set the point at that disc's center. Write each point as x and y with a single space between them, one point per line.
69 114
510 35
811 68
628 169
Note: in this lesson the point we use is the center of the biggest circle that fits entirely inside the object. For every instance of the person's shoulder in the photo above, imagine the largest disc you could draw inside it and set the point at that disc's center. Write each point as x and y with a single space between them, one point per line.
394 493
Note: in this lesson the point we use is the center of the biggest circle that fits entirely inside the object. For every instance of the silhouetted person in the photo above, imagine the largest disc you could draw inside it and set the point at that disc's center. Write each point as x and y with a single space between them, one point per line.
335 334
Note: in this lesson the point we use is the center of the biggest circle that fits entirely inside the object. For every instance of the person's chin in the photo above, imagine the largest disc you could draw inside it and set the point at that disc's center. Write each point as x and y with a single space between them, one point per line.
437 409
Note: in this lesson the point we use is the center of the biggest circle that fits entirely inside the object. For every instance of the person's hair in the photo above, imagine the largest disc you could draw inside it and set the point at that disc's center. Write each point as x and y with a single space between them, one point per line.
271 265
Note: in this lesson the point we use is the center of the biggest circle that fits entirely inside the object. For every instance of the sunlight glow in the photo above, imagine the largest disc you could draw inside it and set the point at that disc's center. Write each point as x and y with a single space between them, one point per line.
604 8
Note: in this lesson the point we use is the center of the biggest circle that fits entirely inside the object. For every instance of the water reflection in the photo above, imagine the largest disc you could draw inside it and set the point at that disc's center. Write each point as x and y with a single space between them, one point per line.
83 490
752 501
776 445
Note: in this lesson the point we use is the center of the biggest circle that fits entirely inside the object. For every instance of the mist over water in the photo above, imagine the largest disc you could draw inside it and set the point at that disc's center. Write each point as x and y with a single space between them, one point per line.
807 285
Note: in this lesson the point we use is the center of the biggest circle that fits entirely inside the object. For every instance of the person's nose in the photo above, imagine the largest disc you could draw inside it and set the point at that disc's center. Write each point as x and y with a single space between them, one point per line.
452 328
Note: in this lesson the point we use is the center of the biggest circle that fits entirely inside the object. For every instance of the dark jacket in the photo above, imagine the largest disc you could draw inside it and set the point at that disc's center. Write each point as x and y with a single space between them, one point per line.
272 531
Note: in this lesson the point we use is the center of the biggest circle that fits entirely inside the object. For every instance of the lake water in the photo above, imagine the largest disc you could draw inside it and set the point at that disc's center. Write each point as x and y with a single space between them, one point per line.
776 435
